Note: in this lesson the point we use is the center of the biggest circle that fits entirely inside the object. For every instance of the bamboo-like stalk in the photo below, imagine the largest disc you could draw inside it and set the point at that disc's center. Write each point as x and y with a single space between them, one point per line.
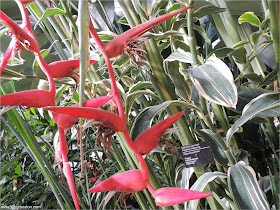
274 7
84 64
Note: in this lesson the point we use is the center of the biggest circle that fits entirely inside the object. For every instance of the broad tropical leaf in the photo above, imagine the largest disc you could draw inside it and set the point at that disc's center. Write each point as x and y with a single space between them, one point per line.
265 102
245 188
214 82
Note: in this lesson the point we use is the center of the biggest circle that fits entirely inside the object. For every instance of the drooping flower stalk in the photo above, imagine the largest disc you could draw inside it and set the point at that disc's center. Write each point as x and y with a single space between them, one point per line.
114 90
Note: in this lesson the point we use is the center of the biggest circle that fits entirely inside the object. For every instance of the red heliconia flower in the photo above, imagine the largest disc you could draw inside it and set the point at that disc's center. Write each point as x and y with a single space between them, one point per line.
68 175
169 196
28 98
61 69
128 182
117 45
67 121
150 138
110 119
22 35
26 1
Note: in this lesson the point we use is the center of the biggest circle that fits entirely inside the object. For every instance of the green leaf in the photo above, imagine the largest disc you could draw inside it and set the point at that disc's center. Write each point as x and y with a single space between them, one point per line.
49 12
10 164
123 20
201 183
18 170
180 55
255 37
253 77
202 32
182 87
266 101
26 84
239 55
251 18
240 44
221 52
140 85
183 176
214 82
163 35
130 99
244 187
246 94
217 150
269 79
259 49
144 119
206 10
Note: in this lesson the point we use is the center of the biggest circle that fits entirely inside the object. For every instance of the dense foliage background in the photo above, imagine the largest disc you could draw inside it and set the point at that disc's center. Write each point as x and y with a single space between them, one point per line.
188 65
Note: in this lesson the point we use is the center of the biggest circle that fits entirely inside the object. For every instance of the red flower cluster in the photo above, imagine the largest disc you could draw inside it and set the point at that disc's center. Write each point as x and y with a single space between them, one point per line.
127 182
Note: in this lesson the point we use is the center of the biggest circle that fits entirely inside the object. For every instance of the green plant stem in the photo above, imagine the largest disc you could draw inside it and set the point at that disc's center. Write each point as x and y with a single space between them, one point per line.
84 64
225 126
275 30
209 123
191 38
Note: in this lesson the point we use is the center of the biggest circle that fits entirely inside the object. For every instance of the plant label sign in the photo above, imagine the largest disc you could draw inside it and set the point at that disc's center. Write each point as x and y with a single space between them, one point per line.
197 154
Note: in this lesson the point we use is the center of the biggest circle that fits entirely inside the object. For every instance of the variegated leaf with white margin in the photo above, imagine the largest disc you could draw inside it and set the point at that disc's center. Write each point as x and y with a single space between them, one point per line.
244 187
201 183
180 55
265 102
214 81
183 176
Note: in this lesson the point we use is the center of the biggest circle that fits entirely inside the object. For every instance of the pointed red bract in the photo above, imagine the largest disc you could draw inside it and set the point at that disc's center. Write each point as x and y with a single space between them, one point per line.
117 45
69 177
129 181
26 1
24 37
169 196
61 69
150 138
112 120
28 98
67 121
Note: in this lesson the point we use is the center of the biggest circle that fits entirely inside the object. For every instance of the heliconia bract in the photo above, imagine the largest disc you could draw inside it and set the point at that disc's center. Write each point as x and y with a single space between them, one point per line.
150 138
61 69
67 121
128 181
68 175
112 120
117 45
28 98
28 41
169 196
